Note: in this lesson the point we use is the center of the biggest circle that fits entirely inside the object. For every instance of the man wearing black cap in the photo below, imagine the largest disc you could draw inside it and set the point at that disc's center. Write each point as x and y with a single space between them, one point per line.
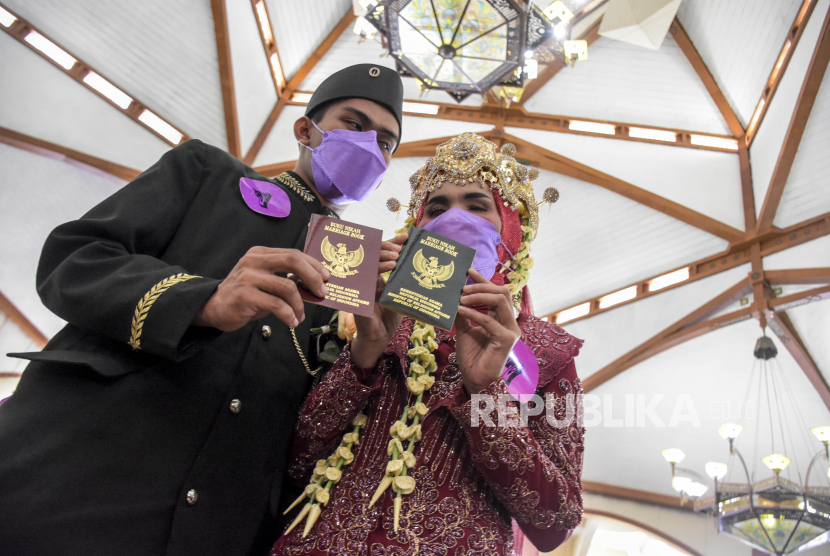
158 420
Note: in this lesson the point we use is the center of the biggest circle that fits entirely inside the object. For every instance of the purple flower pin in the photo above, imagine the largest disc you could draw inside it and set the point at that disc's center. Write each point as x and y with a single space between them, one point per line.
264 197
521 372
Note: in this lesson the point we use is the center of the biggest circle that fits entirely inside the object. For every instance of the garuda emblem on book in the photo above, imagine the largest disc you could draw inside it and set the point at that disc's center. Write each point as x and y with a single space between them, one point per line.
430 272
340 260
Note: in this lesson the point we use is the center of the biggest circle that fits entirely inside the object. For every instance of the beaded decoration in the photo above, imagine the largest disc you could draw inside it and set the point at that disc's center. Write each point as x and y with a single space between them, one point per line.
328 470
420 379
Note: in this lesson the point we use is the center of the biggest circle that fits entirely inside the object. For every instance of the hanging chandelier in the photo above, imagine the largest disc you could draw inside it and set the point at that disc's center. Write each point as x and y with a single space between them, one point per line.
471 46
775 514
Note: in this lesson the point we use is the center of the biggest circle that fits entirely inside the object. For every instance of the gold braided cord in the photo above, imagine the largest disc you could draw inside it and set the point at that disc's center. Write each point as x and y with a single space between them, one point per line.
143 307
286 179
302 357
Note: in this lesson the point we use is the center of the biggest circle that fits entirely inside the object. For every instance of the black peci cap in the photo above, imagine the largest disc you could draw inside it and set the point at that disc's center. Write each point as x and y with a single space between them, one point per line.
368 81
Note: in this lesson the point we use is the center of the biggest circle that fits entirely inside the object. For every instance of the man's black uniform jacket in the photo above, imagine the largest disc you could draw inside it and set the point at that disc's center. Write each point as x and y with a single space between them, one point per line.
101 443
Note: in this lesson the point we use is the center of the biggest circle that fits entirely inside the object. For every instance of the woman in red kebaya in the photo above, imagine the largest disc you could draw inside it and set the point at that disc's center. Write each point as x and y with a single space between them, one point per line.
387 443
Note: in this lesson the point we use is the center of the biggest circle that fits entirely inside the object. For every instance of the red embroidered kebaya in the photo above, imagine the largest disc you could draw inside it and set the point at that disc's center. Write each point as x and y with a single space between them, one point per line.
471 481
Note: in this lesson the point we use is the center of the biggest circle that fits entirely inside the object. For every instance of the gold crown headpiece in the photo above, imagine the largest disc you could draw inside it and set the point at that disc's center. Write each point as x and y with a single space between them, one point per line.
472 158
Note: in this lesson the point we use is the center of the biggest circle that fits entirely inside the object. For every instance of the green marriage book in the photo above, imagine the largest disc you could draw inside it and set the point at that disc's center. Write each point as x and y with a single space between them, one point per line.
427 281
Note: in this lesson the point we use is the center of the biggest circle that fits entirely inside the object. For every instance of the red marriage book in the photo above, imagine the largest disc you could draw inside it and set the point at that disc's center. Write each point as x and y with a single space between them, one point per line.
351 252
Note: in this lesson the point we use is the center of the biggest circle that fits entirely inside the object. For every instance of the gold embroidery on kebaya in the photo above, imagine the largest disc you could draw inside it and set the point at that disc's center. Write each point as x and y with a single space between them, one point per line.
340 258
286 179
147 301
430 272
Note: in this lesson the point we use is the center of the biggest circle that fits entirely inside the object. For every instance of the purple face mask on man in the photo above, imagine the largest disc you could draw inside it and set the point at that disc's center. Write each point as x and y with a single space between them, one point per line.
347 165
473 231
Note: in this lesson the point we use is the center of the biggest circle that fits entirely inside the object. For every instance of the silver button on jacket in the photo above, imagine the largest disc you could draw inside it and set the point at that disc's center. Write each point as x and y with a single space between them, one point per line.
192 497
236 406
266 331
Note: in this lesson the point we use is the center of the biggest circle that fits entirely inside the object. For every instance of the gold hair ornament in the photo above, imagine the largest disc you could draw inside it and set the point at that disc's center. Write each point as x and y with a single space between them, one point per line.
470 158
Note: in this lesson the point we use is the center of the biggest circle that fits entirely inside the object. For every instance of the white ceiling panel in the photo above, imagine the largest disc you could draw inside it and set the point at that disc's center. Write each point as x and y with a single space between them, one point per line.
300 27
706 181
614 333
588 244
711 373
39 100
418 129
807 193
812 323
766 146
280 146
26 220
373 211
163 53
253 84
593 241
348 51
740 41
813 254
626 83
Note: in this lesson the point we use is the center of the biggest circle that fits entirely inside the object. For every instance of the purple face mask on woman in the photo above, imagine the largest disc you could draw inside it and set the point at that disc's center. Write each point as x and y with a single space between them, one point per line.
347 165
473 231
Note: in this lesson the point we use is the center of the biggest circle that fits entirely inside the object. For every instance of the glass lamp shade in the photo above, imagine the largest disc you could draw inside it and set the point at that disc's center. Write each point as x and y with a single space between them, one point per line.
822 433
696 489
716 470
776 462
781 534
680 484
673 455
461 47
730 430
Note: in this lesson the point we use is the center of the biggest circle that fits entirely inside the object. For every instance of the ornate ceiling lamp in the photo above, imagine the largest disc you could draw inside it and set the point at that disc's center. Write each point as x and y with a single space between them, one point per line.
776 514
470 46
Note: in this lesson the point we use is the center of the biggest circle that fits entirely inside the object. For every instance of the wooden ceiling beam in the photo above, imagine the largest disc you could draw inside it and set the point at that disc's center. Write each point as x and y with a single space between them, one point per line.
685 43
795 131
223 53
777 73
634 495
425 147
58 152
747 191
783 327
735 256
269 44
549 160
21 28
517 116
799 276
653 345
786 302
274 170
21 321
548 72
297 80
701 322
